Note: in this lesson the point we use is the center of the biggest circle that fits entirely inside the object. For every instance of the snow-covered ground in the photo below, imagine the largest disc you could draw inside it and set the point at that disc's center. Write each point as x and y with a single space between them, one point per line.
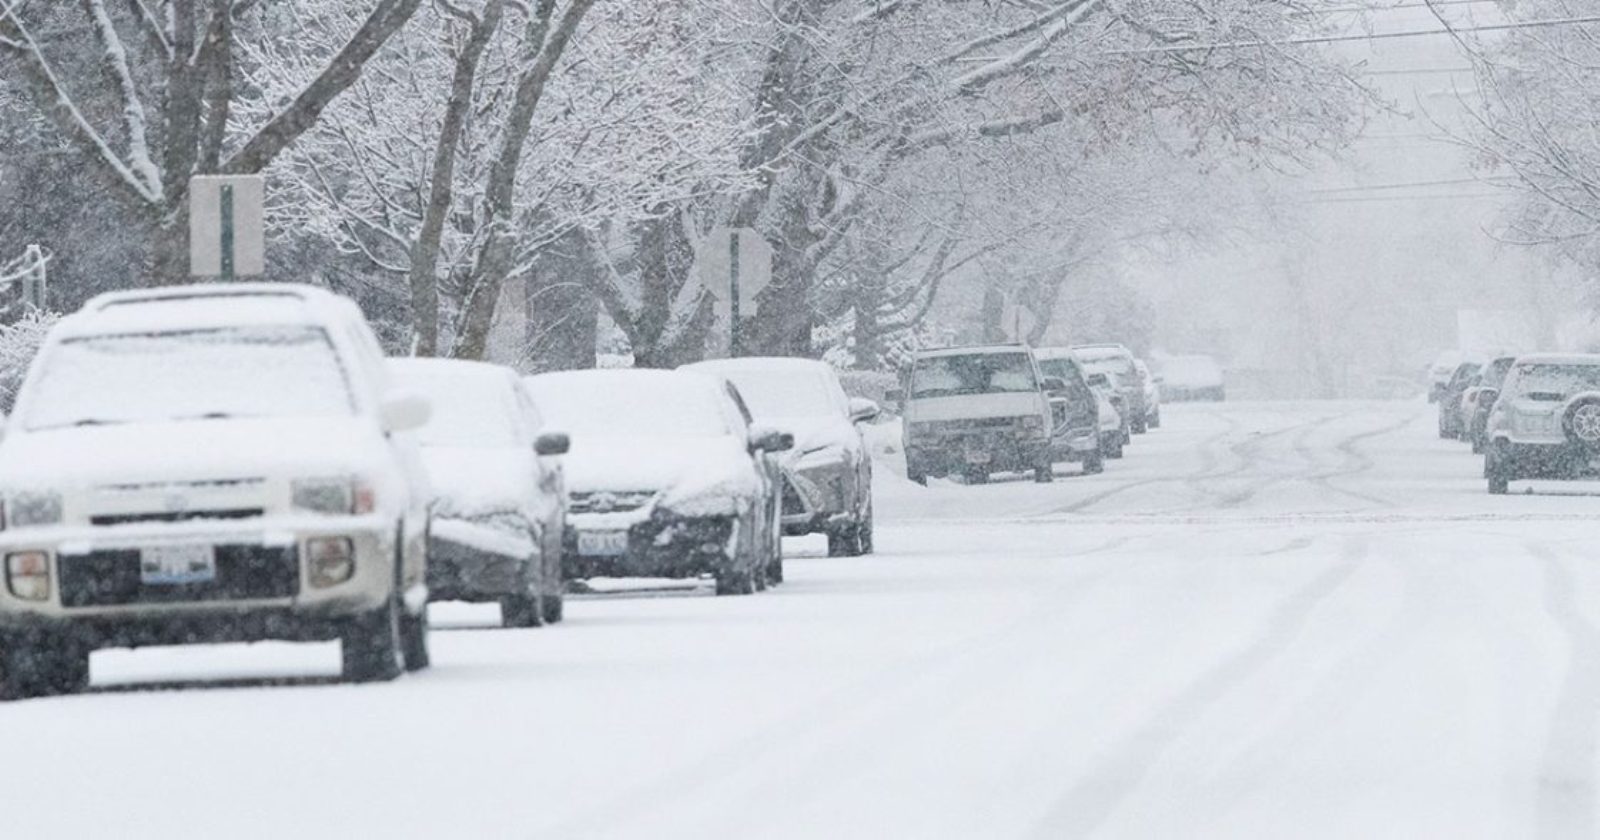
1269 620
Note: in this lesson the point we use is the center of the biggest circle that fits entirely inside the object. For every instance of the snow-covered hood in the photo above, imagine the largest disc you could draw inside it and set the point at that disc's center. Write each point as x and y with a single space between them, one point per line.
816 433
694 476
200 450
468 481
974 406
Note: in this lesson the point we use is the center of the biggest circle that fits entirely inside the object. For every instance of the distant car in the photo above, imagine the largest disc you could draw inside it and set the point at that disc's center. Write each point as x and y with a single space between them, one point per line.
1439 373
1152 393
211 463
1479 399
1451 424
1192 378
1076 409
1546 421
974 411
498 504
668 478
1117 362
1115 433
828 475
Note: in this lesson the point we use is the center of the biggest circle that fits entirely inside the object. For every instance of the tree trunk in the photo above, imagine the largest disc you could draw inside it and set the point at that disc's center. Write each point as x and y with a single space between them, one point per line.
562 314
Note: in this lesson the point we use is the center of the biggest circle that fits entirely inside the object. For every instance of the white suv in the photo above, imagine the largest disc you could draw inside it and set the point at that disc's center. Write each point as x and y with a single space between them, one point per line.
204 464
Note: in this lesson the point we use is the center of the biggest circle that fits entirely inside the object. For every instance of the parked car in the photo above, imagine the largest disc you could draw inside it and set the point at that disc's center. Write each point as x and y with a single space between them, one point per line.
1546 421
827 476
1479 399
498 502
668 477
1115 430
1439 373
1117 362
249 480
974 411
1151 383
1191 378
1078 411
1451 424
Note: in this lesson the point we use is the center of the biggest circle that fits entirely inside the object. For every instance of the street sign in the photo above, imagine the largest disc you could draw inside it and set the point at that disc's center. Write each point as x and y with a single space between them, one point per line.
226 222
734 264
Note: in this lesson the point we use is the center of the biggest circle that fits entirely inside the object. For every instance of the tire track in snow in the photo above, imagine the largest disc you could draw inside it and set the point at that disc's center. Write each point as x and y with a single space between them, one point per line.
1122 769
873 698
1358 462
1566 795
1208 466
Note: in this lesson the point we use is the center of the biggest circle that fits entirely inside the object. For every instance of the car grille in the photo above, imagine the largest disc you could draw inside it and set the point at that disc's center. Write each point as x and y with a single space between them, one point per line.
112 578
185 516
605 501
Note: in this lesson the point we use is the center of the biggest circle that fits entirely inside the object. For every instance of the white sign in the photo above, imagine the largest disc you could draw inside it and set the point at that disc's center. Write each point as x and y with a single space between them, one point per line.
226 226
713 267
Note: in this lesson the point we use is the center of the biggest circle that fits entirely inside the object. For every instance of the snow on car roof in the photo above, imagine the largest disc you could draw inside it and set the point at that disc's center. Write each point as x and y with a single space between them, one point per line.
1051 354
1559 359
454 367
205 306
1101 351
630 401
971 349
773 363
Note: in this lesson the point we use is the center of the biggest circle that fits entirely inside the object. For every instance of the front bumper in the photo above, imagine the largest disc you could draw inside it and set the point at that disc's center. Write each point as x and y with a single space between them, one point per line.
1552 460
1077 445
659 546
461 572
818 499
98 588
991 452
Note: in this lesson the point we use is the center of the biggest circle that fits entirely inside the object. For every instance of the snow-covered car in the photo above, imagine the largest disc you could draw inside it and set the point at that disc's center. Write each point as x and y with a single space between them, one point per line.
1115 428
1117 363
977 410
669 477
1079 412
1439 373
1151 385
1451 423
1479 400
211 463
499 505
828 474
1191 378
1546 421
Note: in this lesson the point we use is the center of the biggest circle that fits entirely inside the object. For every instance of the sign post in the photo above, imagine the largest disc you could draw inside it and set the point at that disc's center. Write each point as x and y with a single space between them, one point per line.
226 226
734 265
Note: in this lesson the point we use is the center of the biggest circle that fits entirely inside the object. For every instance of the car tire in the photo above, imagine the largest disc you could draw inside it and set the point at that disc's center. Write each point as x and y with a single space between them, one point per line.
916 474
735 583
553 608
414 640
1094 463
1114 451
1497 467
1140 426
1581 422
977 476
521 611
33 665
370 648
1044 474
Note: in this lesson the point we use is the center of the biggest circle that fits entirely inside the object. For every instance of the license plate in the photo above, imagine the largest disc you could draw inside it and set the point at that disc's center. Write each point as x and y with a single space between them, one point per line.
602 543
977 456
176 565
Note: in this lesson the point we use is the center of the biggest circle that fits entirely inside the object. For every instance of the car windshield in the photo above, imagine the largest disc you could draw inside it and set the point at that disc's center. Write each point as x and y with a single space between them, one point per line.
1120 367
1495 374
774 395
1564 380
680 405
467 411
237 372
974 373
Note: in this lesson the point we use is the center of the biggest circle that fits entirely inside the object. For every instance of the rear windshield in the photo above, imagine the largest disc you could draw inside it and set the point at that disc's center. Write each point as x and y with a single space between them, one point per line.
977 373
1564 380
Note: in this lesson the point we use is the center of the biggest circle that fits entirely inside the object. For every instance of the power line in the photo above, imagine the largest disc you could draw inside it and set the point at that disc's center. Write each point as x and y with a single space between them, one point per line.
1374 36
1449 182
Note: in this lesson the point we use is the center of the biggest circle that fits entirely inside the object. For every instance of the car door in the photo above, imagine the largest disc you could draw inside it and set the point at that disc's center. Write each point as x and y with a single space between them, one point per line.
764 463
549 489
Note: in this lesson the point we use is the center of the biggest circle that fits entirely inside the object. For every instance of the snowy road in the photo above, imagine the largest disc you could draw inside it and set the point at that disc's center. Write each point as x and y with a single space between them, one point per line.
1270 620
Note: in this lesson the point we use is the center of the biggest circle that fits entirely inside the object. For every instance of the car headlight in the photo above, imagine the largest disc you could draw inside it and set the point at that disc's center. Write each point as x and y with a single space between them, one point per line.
333 495
30 509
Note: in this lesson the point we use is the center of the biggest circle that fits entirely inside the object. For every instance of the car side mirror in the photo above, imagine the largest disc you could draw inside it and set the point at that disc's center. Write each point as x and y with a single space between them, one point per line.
770 440
404 411
552 443
1054 385
863 410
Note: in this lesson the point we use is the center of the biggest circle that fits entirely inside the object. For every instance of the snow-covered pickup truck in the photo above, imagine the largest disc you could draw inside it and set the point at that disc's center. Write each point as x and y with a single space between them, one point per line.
204 464
1545 423
977 410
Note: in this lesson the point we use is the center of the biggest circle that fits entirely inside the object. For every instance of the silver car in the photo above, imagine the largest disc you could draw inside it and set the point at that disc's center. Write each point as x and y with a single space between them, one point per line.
1546 421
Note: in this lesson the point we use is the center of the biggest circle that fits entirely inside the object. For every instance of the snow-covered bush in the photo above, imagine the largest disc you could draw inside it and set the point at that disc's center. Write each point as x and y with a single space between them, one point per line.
19 343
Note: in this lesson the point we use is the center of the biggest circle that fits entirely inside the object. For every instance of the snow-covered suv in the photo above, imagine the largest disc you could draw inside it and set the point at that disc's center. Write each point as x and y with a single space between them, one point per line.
977 410
204 464
1545 422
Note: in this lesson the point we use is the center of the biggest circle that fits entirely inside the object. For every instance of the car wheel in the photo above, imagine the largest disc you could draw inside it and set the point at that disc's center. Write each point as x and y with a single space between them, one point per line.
1044 474
1140 426
553 608
977 476
33 665
370 647
1114 451
1094 463
1497 467
414 640
1581 422
521 611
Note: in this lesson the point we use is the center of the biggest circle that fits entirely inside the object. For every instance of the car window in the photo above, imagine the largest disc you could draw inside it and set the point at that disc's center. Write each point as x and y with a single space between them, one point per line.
1557 379
976 373
237 372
